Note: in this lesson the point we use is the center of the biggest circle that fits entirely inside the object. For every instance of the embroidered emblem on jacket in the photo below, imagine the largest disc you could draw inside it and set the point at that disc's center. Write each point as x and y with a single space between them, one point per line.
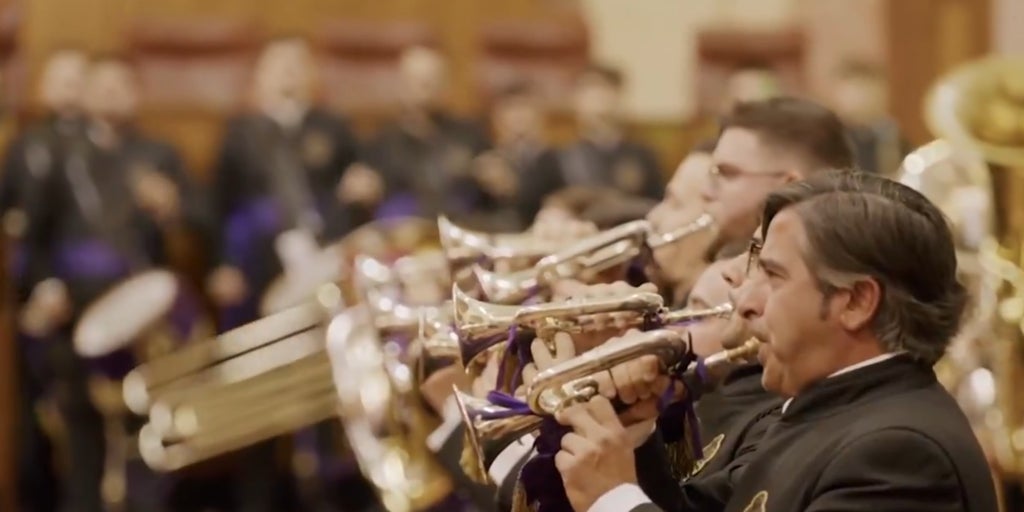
759 502
709 451
317 149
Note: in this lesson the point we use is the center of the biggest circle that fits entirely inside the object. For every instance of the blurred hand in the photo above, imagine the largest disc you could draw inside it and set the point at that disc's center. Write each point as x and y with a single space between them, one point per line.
598 440
157 195
48 307
544 359
227 286
495 176
556 224
488 379
361 185
439 385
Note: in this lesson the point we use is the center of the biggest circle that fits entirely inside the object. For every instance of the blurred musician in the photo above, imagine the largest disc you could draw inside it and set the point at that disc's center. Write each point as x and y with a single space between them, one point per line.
522 170
278 193
762 145
424 157
28 160
107 197
280 169
861 99
849 339
604 156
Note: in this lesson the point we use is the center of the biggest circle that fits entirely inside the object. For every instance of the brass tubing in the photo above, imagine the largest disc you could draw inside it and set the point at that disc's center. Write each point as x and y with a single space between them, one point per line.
231 375
140 382
253 391
288 418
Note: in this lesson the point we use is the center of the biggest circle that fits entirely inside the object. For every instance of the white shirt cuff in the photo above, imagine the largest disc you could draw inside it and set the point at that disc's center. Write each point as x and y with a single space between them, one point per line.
452 419
509 457
622 498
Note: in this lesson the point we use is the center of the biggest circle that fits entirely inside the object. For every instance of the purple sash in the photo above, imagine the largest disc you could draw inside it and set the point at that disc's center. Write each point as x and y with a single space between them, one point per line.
398 205
88 260
249 232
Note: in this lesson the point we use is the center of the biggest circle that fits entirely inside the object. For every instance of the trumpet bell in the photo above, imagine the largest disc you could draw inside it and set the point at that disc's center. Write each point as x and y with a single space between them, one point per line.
488 423
479 325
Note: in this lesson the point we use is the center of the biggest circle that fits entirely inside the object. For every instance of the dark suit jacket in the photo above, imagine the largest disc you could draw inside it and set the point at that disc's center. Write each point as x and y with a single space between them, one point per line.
653 470
733 418
886 437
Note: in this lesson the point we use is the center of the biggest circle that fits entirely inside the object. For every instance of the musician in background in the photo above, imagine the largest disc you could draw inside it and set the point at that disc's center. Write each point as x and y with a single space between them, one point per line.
849 338
280 169
522 169
424 158
108 197
604 156
27 161
860 96
278 193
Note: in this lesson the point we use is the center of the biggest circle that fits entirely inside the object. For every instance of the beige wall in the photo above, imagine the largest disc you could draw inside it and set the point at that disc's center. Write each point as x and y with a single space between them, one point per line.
1007 36
654 42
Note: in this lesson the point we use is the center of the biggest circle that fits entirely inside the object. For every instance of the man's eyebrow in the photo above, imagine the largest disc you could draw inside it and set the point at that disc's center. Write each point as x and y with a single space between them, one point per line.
772 265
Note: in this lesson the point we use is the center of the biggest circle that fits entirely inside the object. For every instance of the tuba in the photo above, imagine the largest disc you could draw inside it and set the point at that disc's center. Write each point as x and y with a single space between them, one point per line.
273 376
975 174
383 417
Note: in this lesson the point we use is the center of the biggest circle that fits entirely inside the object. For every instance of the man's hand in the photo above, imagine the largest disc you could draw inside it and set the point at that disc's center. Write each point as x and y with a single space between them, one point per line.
361 185
597 456
556 224
496 176
226 286
438 386
157 195
544 359
48 307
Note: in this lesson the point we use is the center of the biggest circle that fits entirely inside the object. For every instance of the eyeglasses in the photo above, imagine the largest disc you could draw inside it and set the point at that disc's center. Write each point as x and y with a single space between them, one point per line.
753 254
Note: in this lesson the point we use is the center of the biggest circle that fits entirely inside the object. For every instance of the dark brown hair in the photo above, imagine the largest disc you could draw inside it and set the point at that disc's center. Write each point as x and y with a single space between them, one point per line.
861 224
705 146
793 124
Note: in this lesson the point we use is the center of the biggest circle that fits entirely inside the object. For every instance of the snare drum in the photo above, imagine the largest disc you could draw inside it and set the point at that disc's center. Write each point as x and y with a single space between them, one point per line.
145 316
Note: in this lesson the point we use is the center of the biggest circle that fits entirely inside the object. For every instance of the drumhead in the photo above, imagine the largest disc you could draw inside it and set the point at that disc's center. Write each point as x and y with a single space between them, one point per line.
114 320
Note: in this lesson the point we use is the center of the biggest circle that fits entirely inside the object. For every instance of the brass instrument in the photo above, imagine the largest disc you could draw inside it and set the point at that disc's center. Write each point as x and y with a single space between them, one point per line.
273 376
240 402
978 111
571 382
481 325
383 416
584 260
464 247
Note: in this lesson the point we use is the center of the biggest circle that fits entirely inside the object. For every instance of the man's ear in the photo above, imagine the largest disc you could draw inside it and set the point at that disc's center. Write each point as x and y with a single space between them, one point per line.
792 175
865 297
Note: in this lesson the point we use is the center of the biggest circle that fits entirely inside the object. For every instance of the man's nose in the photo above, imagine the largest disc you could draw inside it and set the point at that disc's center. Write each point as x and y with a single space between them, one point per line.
733 272
747 300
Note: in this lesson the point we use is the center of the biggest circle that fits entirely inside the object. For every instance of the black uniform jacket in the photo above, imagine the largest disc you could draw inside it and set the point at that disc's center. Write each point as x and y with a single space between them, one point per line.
733 420
883 438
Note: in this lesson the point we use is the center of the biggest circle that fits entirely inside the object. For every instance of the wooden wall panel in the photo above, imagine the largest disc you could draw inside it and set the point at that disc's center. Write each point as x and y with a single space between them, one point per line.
927 38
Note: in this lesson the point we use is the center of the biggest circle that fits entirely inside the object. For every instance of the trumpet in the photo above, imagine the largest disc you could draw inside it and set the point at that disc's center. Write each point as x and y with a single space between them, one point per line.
584 260
571 382
481 326
463 247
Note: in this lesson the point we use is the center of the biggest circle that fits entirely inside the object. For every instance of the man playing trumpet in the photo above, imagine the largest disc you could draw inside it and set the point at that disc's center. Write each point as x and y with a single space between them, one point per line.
849 338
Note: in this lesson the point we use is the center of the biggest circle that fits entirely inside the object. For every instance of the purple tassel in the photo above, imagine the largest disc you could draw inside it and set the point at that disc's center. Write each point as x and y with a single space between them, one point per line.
539 477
